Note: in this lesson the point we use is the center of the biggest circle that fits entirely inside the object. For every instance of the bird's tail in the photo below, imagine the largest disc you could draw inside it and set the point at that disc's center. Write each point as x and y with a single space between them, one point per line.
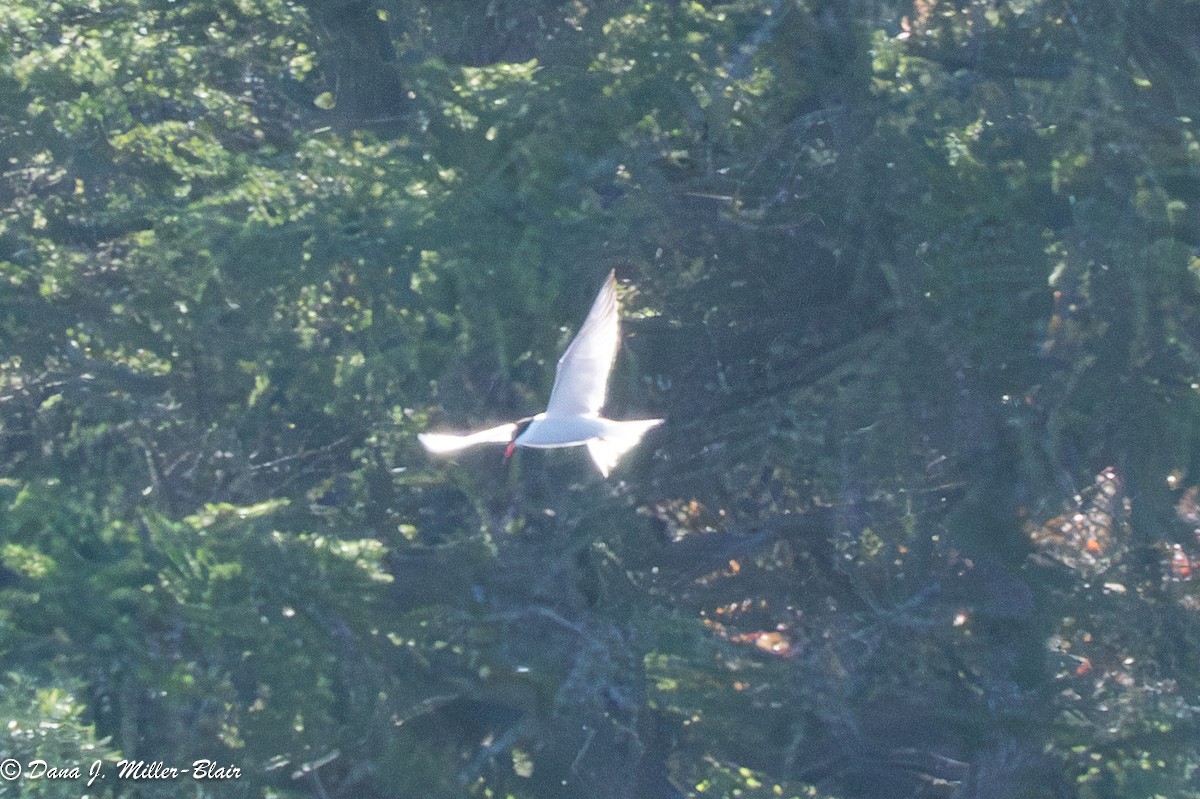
619 438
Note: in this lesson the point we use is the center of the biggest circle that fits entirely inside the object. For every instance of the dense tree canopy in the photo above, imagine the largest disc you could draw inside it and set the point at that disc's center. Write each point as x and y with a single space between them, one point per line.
915 285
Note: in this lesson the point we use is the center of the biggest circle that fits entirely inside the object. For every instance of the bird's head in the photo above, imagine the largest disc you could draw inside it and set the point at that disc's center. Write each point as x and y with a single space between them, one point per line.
522 426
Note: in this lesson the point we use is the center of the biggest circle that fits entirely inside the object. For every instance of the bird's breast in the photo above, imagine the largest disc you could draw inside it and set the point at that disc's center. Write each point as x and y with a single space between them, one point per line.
561 431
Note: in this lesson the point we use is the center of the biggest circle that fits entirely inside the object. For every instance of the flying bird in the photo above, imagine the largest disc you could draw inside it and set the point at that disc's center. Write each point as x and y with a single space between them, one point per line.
572 417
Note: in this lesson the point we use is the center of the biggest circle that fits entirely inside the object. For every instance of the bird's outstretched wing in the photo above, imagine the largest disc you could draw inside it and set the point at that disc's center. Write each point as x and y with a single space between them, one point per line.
620 437
445 442
582 378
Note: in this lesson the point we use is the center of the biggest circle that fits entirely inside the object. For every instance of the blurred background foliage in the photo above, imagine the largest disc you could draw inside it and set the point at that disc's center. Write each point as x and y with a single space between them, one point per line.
915 284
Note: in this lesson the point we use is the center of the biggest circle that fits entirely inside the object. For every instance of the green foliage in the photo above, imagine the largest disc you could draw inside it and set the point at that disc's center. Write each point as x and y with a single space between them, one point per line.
45 729
899 277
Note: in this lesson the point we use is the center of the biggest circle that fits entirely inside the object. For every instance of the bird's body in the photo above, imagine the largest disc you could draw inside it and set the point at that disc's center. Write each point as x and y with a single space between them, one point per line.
572 416
547 432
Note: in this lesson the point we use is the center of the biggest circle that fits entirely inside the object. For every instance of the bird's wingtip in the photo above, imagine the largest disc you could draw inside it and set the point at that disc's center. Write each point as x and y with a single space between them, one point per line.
606 451
438 442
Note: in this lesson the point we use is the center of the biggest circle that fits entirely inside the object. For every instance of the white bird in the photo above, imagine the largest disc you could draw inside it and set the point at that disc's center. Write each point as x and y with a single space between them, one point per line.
572 416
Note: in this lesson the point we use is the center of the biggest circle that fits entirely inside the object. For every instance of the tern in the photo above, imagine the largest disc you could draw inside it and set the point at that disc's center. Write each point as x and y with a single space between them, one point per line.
572 416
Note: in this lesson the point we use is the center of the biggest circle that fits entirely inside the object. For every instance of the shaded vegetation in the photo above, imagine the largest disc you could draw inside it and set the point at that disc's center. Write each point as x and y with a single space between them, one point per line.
916 286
